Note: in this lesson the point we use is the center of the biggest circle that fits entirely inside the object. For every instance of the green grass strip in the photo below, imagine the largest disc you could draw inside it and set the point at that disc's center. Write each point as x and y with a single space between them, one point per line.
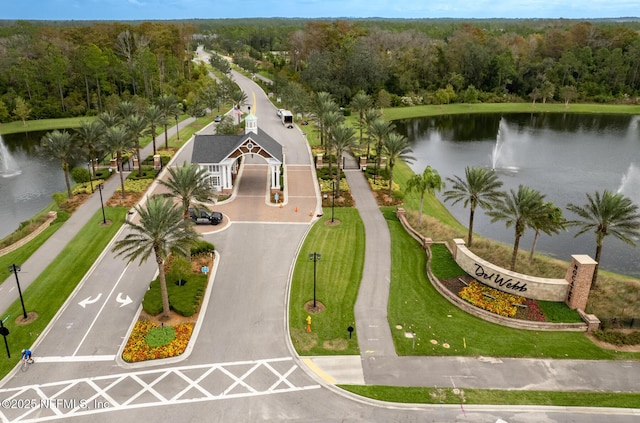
432 395
48 292
339 272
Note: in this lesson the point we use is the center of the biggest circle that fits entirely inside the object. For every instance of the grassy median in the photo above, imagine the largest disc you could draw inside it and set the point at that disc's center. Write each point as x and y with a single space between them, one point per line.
338 276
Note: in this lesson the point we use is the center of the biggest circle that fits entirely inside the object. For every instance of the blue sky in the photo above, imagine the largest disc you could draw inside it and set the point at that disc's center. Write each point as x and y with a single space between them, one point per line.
211 9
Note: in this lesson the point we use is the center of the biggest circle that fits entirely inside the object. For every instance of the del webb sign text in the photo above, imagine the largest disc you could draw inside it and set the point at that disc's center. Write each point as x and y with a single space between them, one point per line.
507 281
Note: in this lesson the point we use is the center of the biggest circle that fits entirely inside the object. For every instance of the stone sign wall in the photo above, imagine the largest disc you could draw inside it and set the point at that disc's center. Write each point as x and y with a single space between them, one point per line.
504 280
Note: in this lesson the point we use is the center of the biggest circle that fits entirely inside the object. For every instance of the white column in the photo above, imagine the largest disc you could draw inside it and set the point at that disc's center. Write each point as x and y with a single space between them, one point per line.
228 179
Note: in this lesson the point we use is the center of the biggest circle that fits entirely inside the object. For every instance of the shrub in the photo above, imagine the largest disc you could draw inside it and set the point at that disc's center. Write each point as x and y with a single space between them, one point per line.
202 247
59 197
160 336
80 175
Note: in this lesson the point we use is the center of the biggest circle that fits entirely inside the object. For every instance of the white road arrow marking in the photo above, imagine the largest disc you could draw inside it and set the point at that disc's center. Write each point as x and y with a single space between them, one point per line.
88 300
123 301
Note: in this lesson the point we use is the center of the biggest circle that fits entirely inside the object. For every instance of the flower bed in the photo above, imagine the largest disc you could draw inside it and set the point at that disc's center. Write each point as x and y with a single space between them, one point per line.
137 348
491 299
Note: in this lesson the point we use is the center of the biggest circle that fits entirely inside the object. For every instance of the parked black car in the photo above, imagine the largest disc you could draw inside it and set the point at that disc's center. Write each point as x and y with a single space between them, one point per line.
205 217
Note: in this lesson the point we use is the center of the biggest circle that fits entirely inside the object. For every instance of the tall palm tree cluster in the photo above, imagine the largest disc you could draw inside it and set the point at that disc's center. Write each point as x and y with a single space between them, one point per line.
336 137
116 132
525 208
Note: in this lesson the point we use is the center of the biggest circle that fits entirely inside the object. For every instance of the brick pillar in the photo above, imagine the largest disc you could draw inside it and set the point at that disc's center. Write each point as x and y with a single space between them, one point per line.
579 276
383 162
113 164
319 160
157 163
363 163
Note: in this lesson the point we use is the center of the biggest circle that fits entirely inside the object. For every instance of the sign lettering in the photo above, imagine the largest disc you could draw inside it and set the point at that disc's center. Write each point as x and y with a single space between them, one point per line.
499 280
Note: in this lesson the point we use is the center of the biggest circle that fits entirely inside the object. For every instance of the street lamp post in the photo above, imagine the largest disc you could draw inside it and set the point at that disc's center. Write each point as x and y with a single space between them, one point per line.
14 268
177 127
104 218
315 257
90 175
333 196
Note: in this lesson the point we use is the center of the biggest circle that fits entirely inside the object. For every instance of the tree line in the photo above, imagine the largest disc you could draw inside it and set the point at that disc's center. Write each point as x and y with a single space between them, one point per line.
435 62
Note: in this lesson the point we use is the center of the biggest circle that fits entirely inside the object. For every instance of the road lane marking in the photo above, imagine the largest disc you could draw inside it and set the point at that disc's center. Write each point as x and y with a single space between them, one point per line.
317 370
75 359
123 301
95 319
84 303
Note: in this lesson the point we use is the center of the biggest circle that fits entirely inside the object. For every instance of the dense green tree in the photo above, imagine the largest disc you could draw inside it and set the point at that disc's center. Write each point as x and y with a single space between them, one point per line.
22 110
480 187
161 231
607 214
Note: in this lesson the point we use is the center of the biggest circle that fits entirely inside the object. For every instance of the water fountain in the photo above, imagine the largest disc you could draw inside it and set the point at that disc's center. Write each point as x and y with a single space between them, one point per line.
630 184
499 155
8 165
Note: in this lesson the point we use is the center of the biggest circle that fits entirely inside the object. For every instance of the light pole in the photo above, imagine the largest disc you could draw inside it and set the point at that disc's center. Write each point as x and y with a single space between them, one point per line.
315 257
14 268
333 196
104 218
90 175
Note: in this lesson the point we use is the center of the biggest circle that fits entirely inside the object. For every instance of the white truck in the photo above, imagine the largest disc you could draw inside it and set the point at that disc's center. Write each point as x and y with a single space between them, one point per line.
287 118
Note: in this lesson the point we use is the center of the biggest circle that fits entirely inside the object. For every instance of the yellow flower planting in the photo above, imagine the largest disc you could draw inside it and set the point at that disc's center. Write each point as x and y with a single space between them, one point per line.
137 348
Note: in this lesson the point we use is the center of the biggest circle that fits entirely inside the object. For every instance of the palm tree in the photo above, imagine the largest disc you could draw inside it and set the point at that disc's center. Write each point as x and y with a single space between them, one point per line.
479 188
323 104
379 130
126 109
360 103
109 119
341 138
330 120
59 145
154 117
167 104
116 138
370 116
549 222
136 126
518 209
188 183
428 182
396 147
161 231
90 134
607 214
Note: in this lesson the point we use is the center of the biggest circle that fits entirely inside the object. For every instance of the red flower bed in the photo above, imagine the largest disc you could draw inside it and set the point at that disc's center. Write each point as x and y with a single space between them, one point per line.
138 350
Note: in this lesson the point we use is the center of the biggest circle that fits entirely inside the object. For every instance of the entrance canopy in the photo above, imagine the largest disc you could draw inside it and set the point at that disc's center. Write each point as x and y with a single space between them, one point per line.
218 154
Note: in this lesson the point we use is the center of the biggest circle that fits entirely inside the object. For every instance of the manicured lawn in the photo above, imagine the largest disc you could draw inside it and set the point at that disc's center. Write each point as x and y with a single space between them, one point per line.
435 395
50 290
418 307
42 125
339 272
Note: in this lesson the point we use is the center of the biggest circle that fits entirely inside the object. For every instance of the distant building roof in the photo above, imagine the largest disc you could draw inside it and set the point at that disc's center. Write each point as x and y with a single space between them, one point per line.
212 149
